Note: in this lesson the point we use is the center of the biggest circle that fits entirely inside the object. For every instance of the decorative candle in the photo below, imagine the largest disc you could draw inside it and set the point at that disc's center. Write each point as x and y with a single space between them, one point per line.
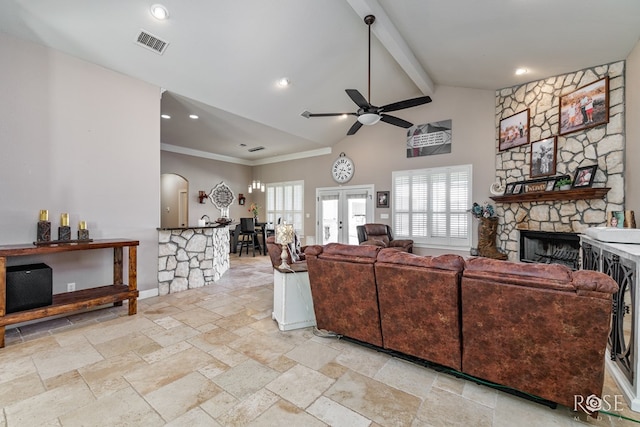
83 233
64 231
44 227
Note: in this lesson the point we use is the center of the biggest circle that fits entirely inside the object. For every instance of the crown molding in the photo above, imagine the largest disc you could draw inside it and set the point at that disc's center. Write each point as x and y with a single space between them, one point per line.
236 160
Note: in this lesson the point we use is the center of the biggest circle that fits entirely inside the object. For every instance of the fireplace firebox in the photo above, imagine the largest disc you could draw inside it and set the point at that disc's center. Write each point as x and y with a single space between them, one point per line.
550 248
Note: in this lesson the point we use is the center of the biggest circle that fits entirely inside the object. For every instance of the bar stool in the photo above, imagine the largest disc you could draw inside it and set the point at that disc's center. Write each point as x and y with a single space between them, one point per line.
247 235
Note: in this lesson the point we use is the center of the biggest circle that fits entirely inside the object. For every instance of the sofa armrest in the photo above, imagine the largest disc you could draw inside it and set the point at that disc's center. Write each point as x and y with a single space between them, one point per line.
594 284
313 250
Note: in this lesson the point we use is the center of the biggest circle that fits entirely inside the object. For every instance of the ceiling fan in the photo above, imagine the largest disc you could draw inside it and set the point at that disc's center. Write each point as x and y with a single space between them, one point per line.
369 114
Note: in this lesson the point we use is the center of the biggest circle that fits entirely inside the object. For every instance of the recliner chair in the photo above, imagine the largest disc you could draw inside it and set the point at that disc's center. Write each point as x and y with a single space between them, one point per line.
380 235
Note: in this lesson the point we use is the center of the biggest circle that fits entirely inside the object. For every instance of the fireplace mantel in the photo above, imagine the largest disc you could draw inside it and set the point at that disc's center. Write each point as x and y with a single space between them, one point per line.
542 196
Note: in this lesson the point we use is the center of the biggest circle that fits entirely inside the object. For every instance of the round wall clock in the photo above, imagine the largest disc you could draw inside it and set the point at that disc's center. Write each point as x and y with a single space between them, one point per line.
342 169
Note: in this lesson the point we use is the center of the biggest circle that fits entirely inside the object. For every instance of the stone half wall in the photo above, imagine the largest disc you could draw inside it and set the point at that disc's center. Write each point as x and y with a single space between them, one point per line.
191 258
602 145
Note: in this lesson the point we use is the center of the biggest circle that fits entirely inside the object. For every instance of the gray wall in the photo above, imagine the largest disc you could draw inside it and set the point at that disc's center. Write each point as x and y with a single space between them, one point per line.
632 178
81 139
204 174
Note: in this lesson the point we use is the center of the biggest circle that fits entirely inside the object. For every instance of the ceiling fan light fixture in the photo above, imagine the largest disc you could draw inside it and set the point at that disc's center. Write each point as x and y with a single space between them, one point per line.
368 119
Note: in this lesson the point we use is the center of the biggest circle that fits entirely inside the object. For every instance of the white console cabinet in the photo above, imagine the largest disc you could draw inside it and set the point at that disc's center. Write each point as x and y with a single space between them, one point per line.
622 263
292 302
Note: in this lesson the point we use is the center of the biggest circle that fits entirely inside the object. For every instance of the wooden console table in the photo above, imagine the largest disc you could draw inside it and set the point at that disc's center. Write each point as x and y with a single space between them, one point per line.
76 300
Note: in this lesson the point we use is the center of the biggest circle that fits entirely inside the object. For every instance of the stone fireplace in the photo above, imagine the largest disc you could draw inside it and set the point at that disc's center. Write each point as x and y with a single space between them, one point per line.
602 145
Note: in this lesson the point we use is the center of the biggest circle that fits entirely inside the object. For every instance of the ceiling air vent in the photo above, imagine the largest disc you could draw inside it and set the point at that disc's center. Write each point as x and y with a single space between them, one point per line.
251 150
151 42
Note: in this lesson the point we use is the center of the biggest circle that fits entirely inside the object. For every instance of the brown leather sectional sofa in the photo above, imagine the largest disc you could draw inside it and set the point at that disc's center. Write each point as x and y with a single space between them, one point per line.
536 328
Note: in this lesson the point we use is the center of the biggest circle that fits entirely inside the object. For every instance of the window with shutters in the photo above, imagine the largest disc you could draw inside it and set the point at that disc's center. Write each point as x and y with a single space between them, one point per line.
285 202
431 206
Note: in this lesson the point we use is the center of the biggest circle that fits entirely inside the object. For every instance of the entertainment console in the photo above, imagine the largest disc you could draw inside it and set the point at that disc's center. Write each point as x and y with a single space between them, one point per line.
77 300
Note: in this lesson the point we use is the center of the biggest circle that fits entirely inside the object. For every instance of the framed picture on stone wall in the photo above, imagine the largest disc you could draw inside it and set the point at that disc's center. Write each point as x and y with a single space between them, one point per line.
584 176
508 189
585 107
517 188
514 130
543 157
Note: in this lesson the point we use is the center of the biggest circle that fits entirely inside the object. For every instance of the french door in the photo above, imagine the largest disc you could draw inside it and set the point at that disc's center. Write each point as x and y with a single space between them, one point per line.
339 210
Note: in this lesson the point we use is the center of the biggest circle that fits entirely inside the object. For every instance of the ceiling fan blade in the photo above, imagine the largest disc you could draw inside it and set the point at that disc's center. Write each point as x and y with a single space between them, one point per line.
407 103
357 125
395 121
308 114
358 98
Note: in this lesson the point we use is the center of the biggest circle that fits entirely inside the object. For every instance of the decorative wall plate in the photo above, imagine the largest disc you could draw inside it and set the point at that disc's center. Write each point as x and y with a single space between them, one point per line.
222 197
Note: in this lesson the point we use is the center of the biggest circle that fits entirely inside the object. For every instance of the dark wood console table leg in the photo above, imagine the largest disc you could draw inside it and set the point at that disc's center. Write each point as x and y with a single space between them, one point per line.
133 278
117 271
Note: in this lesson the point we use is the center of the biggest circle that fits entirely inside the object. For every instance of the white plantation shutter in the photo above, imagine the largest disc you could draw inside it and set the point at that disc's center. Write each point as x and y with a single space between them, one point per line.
285 200
430 205
401 198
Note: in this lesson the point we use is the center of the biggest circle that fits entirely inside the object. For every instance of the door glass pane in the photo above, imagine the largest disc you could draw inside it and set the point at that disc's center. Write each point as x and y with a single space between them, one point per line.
329 224
356 215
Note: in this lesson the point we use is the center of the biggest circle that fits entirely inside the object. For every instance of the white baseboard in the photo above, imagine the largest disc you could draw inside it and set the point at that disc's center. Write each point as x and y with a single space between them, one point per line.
148 293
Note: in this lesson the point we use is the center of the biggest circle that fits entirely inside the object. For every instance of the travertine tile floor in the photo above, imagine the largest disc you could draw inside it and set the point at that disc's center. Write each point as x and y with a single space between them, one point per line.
214 357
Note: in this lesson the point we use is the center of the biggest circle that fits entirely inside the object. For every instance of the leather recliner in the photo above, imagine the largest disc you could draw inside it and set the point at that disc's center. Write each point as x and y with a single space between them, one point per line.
380 235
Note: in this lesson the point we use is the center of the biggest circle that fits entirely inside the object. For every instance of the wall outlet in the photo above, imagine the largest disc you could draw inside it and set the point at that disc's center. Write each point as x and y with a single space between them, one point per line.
71 287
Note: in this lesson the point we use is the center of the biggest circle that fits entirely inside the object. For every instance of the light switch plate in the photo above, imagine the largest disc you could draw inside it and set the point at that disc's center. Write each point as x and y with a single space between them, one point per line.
384 216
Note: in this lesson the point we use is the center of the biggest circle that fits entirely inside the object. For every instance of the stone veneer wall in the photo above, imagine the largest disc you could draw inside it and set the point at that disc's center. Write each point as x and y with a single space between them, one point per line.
191 258
602 145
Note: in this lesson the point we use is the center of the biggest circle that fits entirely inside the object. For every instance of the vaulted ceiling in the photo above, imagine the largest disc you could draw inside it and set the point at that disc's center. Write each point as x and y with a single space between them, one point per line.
224 58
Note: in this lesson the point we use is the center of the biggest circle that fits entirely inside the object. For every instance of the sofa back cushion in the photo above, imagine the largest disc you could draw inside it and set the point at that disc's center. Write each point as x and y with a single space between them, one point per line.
536 328
343 288
549 276
419 305
377 232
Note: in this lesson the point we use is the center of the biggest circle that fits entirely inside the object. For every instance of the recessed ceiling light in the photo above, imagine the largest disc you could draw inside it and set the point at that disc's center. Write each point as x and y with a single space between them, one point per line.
521 71
165 116
159 12
284 82
193 116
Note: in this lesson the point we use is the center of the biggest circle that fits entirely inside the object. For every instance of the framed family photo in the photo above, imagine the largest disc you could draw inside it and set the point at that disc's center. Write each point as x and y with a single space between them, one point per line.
382 199
514 130
585 107
584 176
543 157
